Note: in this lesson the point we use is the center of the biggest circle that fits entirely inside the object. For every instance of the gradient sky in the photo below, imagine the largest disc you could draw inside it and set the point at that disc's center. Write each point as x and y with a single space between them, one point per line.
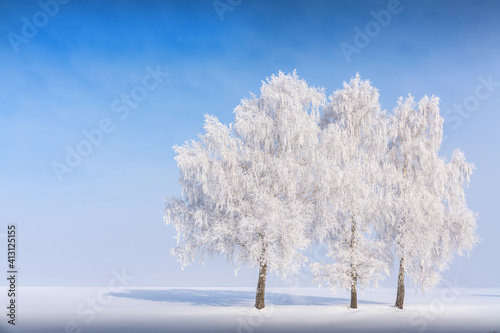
107 213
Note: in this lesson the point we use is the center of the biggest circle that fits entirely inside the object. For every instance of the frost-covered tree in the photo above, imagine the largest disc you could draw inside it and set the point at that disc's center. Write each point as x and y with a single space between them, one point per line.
349 195
427 216
246 187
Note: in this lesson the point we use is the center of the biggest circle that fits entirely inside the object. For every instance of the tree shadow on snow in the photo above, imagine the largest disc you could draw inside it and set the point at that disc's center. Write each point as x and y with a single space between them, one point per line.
228 297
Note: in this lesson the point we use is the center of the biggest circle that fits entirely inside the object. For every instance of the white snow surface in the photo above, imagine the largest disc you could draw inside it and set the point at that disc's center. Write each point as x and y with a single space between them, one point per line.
308 310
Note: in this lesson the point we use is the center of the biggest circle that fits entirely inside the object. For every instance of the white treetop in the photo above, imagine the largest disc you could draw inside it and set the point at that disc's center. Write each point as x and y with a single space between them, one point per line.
428 219
244 186
353 143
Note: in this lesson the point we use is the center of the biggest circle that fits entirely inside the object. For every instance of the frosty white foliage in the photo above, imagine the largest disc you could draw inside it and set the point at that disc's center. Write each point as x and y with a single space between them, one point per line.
363 183
353 143
427 216
246 185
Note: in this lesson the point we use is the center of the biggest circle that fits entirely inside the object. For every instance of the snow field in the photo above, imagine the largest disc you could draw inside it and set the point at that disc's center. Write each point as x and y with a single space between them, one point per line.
73 309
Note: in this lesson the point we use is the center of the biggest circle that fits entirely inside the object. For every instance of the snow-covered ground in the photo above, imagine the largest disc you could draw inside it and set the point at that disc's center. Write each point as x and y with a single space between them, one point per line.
304 310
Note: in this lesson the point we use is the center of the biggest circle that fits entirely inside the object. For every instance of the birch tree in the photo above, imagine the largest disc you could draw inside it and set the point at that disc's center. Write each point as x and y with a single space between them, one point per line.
353 143
427 217
246 186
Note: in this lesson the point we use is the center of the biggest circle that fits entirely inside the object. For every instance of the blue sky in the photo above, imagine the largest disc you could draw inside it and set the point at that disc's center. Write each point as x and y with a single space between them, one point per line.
107 213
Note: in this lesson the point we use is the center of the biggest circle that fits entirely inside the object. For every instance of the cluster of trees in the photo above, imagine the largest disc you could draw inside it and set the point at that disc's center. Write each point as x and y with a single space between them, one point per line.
296 170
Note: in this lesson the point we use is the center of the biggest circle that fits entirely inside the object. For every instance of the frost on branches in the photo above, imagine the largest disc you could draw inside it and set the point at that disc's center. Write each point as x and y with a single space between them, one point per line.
427 218
293 171
246 185
353 144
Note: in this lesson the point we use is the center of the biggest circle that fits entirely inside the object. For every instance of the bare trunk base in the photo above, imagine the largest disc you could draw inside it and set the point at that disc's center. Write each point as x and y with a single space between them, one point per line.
261 287
354 294
400 297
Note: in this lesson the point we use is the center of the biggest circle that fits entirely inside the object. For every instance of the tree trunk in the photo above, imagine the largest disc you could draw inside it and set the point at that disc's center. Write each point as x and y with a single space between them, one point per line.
354 275
401 285
354 292
261 285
